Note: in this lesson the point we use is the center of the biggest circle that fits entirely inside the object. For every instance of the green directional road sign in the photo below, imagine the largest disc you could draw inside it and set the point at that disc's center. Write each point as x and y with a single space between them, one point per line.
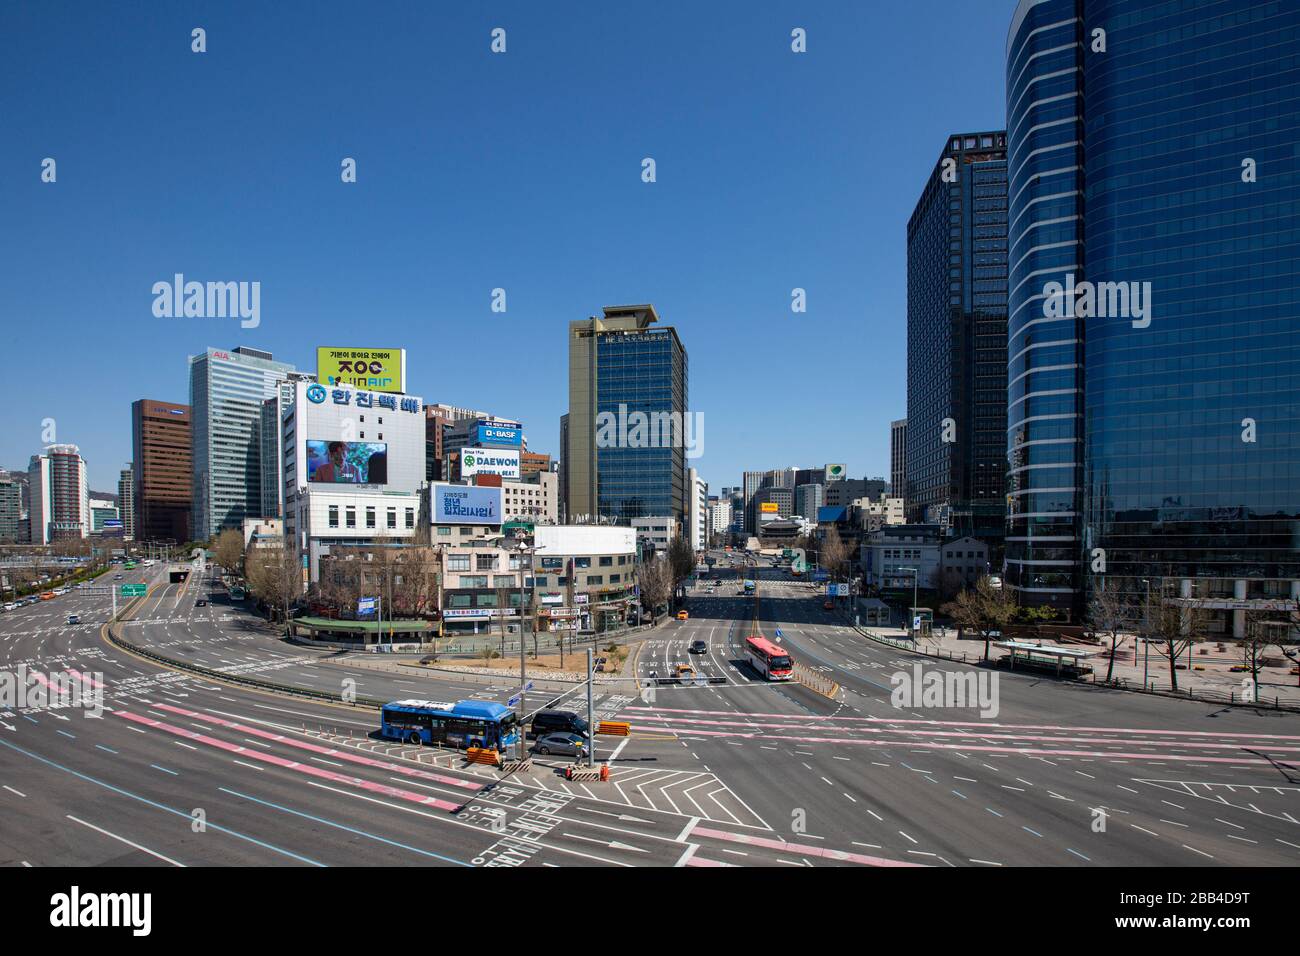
133 590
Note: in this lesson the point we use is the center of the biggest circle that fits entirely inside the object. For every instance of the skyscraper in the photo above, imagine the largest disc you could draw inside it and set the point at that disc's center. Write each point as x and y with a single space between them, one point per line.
11 509
898 458
627 392
163 470
126 499
956 338
227 389
60 506
1154 427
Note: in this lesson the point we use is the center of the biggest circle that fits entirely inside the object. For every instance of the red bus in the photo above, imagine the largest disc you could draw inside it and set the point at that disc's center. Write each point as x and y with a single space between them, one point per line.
770 660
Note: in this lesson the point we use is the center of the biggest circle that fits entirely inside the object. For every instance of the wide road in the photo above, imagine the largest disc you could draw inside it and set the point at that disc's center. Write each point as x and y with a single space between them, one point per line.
182 771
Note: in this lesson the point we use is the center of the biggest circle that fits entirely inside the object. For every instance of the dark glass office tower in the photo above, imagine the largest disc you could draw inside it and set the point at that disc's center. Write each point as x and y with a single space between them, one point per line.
956 340
624 371
1044 353
1168 159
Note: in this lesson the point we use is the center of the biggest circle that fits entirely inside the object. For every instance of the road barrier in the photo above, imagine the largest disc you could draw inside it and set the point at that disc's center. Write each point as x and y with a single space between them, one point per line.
815 682
614 728
483 755
575 772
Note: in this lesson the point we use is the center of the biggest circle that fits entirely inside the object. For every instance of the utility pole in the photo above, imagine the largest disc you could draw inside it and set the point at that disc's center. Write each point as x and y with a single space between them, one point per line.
591 726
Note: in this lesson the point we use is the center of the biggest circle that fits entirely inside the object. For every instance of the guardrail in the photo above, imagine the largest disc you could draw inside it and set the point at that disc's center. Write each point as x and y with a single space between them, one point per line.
614 728
256 683
815 681
483 755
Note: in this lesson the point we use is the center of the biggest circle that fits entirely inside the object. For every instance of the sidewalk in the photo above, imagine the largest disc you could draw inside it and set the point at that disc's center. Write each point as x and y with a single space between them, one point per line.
1209 675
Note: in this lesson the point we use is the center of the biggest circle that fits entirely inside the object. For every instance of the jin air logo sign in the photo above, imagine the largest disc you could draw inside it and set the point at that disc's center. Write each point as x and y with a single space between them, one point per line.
379 370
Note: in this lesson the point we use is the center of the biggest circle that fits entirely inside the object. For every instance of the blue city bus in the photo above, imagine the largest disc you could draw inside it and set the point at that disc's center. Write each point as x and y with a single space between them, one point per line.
466 723
749 587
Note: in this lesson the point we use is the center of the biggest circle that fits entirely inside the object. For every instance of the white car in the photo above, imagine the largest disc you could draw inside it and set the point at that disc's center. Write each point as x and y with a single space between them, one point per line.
11 607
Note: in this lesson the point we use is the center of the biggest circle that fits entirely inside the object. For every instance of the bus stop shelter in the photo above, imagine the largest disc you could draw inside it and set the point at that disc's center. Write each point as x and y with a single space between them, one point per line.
1068 661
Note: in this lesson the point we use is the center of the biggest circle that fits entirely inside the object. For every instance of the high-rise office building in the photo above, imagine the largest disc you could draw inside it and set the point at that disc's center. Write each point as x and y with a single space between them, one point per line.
898 458
271 448
126 500
627 421
956 338
163 470
227 389
1154 427
60 505
808 498
11 509
697 525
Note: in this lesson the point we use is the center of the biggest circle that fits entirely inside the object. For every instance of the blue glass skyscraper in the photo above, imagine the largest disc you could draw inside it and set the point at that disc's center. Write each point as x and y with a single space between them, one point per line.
1156 142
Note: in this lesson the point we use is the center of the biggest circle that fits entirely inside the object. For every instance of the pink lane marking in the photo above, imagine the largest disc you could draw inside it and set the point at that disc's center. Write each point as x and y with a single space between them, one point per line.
302 768
955 733
978 723
316 748
85 677
700 861
1033 751
40 679
800 848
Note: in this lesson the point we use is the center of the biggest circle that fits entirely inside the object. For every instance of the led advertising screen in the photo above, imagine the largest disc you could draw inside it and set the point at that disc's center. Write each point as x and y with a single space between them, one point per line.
347 462
498 435
465 504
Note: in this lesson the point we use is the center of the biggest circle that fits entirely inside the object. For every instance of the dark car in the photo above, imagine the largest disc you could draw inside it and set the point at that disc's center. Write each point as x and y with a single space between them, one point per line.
200 603
699 647
557 722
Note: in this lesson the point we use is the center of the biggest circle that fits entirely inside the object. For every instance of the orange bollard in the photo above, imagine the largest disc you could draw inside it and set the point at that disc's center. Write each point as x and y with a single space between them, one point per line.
604 771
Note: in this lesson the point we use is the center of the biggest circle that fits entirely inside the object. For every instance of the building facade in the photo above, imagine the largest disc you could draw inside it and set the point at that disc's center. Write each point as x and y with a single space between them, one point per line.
956 336
60 498
625 373
11 510
1157 415
227 389
126 500
898 458
161 449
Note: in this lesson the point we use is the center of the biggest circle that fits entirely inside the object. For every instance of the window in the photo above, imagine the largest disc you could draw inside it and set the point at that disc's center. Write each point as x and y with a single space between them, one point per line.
473 580
607 562
443 531
392 518
334 516
458 600
504 581
458 562
351 517
370 517
582 562
485 562
410 517
595 579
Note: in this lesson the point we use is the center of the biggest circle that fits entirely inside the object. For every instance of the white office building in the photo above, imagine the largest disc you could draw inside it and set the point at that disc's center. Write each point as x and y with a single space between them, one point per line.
353 468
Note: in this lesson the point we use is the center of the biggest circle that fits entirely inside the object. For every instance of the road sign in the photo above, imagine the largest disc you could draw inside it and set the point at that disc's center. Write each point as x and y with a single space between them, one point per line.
132 590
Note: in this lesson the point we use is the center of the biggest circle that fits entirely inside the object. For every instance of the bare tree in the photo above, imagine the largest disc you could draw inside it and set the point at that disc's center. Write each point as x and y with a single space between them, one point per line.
230 550
834 552
1109 612
274 574
983 608
655 578
1266 629
1173 628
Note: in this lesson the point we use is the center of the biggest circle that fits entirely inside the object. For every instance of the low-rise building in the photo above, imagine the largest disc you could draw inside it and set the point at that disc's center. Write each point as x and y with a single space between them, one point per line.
893 555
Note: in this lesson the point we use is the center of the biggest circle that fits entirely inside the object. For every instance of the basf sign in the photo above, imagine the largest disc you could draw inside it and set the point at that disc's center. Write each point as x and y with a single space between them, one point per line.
379 370
489 461
465 504
501 436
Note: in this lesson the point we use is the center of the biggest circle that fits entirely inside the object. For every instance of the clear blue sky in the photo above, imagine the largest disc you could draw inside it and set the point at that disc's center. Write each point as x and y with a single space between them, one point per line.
477 171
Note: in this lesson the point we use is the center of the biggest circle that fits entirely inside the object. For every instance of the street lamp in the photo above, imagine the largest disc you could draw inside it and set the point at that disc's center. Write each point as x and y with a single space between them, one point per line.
521 550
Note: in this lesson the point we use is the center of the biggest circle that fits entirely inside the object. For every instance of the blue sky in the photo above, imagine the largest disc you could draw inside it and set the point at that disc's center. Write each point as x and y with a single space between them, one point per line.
476 171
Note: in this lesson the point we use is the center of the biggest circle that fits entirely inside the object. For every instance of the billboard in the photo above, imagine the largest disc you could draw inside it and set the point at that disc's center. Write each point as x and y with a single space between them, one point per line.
379 370
769 507
347 462
489 461
834 473
465 504
500 435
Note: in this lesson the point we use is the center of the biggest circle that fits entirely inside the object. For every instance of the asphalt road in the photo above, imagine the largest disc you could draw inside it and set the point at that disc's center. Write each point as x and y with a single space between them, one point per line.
182 771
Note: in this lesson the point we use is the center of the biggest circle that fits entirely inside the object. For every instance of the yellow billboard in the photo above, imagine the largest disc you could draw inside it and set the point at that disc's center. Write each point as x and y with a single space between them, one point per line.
769 507
375 370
